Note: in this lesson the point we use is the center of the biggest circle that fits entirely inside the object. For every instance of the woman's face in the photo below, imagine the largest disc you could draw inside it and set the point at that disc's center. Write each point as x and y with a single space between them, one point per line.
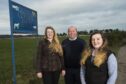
50 34
97 41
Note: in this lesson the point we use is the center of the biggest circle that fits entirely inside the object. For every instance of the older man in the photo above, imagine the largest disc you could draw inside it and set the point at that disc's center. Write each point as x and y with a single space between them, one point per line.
72 48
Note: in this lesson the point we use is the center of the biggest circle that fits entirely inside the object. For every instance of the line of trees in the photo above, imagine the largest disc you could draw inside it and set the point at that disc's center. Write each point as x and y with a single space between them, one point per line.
115 37
91 31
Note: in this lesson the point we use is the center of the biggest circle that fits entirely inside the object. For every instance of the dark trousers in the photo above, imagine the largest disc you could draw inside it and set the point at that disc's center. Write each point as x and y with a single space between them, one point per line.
51 77
72 76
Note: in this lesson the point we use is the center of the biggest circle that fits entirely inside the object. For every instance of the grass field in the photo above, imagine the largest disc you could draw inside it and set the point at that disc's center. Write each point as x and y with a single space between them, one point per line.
25 50
25 53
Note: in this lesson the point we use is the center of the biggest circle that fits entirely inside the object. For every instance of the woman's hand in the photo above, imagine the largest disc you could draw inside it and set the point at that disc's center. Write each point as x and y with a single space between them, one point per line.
39 75
63 72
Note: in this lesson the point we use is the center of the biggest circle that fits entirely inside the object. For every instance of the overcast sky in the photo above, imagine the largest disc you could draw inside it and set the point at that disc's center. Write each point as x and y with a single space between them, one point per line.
84 14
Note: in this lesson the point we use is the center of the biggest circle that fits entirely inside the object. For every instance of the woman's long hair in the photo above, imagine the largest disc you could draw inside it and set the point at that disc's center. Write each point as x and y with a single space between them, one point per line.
100 56
55 45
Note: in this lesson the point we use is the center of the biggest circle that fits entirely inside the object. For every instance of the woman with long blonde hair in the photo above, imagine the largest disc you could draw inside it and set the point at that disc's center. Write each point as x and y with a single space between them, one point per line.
98 63
50 57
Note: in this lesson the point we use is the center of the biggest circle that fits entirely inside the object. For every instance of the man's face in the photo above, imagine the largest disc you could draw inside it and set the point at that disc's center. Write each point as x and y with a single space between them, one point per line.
72 33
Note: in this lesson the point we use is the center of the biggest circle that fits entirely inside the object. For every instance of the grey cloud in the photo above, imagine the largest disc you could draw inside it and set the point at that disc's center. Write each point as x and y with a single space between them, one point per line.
96 5
85 15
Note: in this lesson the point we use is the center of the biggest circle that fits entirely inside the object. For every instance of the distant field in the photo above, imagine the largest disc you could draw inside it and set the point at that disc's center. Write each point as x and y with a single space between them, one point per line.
25 53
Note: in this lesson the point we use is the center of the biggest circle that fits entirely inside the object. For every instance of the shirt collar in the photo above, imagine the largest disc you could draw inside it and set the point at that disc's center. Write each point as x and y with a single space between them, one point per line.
73 39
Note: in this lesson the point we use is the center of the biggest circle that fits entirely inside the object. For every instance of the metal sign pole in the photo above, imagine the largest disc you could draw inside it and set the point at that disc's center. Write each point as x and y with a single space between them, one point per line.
12 43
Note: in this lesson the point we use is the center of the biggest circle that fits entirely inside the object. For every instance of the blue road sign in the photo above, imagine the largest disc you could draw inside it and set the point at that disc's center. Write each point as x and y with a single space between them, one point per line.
24 20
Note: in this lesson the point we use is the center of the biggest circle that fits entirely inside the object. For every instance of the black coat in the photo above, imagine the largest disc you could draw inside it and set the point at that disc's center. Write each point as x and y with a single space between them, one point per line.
72 51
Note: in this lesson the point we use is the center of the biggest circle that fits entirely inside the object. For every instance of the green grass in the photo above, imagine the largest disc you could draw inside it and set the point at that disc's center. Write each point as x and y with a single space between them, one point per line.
25 54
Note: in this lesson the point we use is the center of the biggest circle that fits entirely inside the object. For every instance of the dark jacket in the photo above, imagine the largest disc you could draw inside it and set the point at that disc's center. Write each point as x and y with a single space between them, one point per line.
94 74
46 59
72 51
